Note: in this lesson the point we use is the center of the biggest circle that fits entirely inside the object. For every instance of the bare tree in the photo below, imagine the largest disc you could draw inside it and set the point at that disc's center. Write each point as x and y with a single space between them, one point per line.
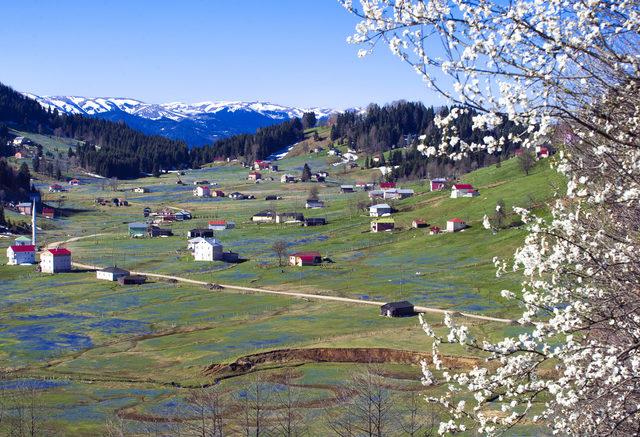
526 161
205 407
253 412
290 421
414 420
280 249
314 192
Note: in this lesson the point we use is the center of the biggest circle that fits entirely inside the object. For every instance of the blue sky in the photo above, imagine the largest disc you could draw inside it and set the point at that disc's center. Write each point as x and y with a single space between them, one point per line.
291 52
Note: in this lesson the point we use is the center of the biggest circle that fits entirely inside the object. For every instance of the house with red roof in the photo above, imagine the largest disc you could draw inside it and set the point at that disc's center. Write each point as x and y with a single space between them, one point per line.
220 225
217 193
254 176
455 225
21 254
463 190
202 191
55 260
48 212
261 165
387 185
74 182
305 259
542 152
438 184
433 230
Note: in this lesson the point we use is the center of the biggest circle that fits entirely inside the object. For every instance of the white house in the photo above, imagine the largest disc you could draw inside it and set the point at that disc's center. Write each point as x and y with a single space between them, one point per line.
264 217
202 191
111 273
463 190
314 204
208 250
455 225
379 210
21 254
55 261
287 178
139 190
193 242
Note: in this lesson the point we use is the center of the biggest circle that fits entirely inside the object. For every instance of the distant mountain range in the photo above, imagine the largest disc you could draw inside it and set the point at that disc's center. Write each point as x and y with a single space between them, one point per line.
196 123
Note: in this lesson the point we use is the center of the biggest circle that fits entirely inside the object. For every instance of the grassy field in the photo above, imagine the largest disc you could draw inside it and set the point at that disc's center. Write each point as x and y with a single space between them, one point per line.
104 348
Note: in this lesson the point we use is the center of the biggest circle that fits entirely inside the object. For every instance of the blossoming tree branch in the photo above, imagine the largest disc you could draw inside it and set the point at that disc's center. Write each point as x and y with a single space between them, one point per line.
570 69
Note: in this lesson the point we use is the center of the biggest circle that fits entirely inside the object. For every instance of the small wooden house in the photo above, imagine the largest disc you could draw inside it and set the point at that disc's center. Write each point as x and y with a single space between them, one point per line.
416 224
138 229
200 232
379 210
132 280
254 176
314 204
289 217
111 273
48 212
347 188
383 224
315 221
24 208
397 309
156 231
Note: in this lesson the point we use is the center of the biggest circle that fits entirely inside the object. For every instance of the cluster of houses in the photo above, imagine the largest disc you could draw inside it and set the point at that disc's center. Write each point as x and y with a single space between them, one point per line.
320 176
167 215
268 216
205 247
23 147
23 252
140 230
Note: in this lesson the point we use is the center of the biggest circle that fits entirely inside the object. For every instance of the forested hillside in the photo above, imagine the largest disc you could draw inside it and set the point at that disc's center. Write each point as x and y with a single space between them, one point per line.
391 127
111 149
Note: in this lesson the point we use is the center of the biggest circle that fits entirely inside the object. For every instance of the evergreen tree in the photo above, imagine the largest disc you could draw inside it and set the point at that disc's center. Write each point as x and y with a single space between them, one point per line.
306 173
309 120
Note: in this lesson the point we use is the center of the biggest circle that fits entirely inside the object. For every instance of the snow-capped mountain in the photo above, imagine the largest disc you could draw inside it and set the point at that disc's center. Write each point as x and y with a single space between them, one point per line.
195 123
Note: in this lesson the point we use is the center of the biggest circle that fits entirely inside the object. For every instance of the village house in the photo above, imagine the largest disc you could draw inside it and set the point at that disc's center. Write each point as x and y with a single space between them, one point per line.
463 190
21 254
289 217
387 185
417 223
334 152
192 242
317 178
18 155
314 204
220 225
287 178
455 225
202 182
19 141
140 190
315 221
217 193
209 249
111 273
24 208
383 224
202 191
273 167
273 197
438 184
366 186
74 182
397 309
156 231
323 174
397 193
56 188
237 196
346 188
132 280
433 230
379 210
264 217
542 152
138 229
376 194
48 212
254 176
261 165
204 233
305 259
182 215
22 241
55 261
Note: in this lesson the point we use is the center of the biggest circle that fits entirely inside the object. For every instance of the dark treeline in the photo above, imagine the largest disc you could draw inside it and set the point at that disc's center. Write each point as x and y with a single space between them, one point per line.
391 127
250 147
111 149
14 185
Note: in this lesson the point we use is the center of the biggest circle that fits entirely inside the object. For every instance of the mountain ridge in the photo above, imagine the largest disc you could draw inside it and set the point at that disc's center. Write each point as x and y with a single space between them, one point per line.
195 123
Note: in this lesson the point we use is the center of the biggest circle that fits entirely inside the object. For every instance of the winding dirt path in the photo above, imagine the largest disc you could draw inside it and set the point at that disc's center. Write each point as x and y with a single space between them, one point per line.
420 309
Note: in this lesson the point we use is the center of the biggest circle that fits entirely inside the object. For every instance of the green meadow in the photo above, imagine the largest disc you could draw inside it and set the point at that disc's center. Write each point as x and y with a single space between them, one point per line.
107 349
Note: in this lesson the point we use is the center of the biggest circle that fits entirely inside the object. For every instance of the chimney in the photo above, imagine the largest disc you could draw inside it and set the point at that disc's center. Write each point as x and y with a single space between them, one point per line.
33 223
